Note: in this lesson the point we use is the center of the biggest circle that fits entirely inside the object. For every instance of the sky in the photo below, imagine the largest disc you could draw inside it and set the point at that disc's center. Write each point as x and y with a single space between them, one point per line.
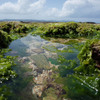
67 10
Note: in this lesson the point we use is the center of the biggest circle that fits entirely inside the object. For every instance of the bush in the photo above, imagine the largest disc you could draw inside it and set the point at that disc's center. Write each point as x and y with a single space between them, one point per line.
87 64
85 30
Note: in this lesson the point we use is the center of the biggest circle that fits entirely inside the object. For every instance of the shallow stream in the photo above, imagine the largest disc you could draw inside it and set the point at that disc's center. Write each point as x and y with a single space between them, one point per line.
36 53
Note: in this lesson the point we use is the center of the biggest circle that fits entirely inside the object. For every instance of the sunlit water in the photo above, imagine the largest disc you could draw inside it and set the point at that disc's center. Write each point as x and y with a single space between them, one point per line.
33 50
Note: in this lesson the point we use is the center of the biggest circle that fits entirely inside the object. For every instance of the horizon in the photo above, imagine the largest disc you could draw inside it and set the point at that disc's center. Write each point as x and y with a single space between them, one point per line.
38 20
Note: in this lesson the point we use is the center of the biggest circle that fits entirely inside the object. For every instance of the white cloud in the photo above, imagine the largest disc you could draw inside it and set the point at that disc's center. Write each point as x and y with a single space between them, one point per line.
70 6
22 6
35 9
77 9
80 8
36 6
8 8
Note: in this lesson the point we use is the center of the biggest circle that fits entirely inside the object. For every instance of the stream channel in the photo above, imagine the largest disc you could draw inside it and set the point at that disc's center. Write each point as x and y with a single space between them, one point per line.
36 53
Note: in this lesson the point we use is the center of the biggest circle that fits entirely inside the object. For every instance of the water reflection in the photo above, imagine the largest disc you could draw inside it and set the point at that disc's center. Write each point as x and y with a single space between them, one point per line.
35 55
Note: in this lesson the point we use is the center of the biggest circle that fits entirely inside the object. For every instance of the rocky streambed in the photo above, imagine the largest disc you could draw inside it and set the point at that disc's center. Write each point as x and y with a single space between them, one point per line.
34 68
45 74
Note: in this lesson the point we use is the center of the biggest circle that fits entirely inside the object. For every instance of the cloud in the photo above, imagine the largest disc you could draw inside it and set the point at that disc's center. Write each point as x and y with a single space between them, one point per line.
37 6
36 9
8 8
77 9
22 6
81 8
70 6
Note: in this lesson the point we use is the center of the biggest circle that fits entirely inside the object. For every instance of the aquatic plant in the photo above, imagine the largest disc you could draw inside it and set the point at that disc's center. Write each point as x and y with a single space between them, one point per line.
6 73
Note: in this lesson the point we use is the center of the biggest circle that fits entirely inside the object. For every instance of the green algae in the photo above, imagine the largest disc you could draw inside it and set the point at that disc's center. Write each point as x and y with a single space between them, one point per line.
82 73
6 73
49 94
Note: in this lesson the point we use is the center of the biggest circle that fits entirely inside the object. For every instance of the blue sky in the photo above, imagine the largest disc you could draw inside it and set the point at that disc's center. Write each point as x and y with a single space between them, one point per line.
69 10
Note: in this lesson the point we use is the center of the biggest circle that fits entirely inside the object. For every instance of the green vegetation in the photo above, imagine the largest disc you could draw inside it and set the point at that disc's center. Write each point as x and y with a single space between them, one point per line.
82 72
74 30
6 73
76 72
9 31
68 30
12 30
87 64
85 78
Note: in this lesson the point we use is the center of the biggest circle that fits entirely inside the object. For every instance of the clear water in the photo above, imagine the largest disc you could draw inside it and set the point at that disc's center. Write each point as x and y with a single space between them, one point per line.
41 52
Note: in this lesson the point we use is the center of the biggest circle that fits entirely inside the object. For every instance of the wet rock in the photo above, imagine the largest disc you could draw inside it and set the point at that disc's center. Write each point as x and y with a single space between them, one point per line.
42 78
51 55
31 61
52 65
38 90
32 65
35 73
44 81
47 54
40 82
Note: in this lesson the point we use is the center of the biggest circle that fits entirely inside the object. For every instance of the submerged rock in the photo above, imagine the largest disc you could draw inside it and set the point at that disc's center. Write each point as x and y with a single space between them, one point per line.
52 65
35 50
43 82
38 50
36 44
42 78
40 81
41 61
49 54
23 59
38 90
32 65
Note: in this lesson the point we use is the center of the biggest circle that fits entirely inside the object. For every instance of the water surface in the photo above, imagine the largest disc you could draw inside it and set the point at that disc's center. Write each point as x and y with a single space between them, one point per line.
35 51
